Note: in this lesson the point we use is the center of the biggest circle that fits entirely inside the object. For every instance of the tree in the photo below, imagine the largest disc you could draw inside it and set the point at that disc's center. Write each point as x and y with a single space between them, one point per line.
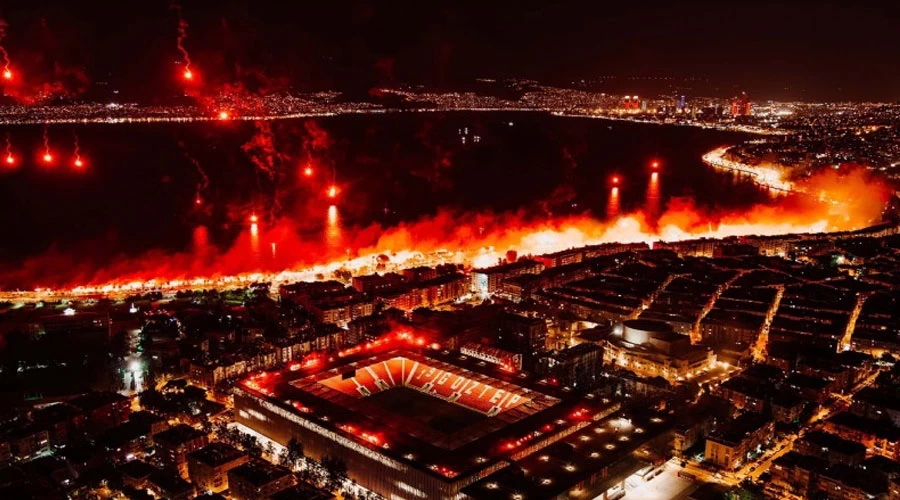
335 472
284 460
251 446
115 374
294 452
149 375
206 425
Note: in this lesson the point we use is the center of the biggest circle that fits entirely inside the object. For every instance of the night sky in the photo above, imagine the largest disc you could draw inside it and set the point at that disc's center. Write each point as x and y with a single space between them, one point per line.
815 50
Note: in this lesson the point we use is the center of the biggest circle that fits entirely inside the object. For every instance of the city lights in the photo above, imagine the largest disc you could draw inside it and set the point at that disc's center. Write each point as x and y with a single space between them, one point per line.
448 265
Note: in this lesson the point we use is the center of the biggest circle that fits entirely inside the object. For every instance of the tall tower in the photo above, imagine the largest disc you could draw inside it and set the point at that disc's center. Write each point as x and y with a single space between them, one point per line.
740 106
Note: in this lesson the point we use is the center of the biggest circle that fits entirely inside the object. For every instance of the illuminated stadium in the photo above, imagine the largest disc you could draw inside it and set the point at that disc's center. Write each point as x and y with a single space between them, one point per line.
409 423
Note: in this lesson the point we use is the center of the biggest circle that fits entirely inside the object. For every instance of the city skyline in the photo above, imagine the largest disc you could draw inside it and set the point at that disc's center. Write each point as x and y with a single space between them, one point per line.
449 251
783 51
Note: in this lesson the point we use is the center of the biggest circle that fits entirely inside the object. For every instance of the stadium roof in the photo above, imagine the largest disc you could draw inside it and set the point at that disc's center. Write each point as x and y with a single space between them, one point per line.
331 398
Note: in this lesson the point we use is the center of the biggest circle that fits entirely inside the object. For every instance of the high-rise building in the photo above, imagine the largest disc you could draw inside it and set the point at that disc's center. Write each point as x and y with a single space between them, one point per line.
740 106
631 102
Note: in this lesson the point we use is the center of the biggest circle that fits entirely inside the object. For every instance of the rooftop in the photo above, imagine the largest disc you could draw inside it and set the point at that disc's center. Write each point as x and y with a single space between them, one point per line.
178 435
170 483
807 382
832 442
259 472
607 444
94 400
735 431
217 454
137 469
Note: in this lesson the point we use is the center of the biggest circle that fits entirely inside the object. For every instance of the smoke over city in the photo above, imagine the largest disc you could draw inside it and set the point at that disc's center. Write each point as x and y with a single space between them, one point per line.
480 238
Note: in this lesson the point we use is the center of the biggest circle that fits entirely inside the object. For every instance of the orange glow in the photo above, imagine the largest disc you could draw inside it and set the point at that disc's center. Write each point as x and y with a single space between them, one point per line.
332 191
333 232
851 200
612 204
48 158
79 163
653 197
223 115
188 74
7 74
308 171
615 179
254 219
10 160
655 165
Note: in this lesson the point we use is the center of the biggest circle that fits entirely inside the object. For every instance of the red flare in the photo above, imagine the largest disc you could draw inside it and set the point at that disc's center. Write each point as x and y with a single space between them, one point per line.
188 74
308 171
10 160
254 219
198 201
48 158
332 191
79 163
223 115
7 74
615 179
655 165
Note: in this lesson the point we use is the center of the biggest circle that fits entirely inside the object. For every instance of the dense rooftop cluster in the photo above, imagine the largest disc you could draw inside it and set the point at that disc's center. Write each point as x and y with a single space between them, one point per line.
762 363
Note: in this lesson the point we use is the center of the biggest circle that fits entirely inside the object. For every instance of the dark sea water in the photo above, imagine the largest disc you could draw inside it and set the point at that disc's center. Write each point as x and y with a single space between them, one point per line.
138 189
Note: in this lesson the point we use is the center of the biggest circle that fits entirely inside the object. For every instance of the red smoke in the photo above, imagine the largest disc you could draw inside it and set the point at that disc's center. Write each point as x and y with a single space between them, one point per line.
35 89
4 56
182 35
483 237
